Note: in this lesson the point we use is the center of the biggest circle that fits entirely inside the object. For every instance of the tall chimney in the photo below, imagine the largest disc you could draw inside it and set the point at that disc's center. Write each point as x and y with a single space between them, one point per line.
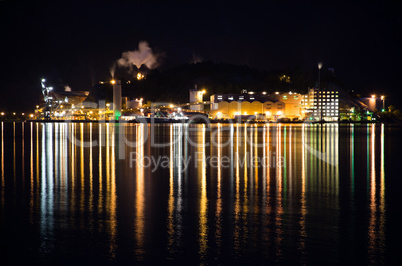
117 99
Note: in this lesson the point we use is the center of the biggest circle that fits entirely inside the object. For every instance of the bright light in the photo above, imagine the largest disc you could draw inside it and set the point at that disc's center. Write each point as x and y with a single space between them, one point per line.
319 65
50 88
264 92
43 80
277 92
13 113
279 113
251 92
113 81
382 97
108 104
23 114
37 107
2 113
31 115
179 109
171 105
373 96
268 113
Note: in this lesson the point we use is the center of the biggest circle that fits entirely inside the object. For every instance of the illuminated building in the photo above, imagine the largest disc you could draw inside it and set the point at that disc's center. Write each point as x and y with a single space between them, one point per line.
262 105
196 96
322 104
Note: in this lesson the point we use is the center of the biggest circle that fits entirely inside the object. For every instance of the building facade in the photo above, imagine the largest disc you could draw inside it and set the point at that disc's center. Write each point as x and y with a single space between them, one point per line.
270 107
321 104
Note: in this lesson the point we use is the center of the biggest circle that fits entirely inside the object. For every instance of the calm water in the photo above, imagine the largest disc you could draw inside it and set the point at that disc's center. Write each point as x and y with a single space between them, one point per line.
273 194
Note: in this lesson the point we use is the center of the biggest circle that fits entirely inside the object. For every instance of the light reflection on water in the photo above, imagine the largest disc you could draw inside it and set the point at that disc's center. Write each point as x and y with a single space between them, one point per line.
274 200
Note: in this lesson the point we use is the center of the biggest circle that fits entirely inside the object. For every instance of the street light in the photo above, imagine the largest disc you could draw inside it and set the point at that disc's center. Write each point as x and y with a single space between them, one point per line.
383 102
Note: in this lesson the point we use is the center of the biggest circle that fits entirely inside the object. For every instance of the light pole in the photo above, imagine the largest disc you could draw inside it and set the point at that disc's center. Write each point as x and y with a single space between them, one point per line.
48 99
319 90
383 102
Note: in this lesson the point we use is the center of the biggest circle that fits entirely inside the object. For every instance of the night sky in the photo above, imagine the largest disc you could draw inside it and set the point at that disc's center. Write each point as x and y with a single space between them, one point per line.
76 45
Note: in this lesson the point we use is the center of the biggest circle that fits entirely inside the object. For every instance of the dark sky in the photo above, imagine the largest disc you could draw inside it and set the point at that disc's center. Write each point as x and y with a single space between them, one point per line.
76 45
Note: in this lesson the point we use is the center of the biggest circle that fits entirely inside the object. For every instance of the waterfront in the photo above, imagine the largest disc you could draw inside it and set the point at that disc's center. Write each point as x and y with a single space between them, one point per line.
274 193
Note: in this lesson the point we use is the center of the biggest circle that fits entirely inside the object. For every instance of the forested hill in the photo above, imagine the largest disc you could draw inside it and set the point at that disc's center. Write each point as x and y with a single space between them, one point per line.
173 84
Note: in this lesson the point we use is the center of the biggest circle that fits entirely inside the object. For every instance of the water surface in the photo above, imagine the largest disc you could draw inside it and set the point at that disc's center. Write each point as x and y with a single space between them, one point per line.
220 194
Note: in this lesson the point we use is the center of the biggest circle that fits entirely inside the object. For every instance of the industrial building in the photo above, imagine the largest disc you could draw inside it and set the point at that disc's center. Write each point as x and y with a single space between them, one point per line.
105 102
321 104
316 105
264 106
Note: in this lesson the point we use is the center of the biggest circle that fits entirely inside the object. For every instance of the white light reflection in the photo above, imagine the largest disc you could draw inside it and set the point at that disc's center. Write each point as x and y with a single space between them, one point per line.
47 189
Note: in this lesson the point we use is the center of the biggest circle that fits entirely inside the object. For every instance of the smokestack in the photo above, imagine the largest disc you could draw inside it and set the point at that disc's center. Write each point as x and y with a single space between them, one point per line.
117 99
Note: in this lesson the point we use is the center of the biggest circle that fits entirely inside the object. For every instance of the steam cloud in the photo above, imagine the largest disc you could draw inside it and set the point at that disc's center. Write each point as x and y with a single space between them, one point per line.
112 70
142 56
196 59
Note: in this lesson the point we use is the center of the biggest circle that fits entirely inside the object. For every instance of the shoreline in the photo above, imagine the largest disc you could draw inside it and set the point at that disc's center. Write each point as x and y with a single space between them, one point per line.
202 122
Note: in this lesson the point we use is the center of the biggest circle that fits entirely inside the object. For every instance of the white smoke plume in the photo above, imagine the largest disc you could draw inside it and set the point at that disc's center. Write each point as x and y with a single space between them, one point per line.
142 56
112 70
196 59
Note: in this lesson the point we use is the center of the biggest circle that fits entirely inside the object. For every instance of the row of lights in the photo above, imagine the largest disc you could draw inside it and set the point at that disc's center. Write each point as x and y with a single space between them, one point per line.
3 114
